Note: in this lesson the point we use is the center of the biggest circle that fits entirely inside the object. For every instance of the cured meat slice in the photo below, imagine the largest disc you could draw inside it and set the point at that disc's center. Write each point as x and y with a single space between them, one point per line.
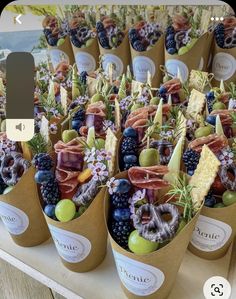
214 142
225 116
149 177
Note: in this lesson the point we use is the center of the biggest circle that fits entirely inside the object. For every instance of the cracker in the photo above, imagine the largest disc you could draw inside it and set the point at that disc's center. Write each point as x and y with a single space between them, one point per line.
204 176
92 84
117 115
182 126
196 103
111 146
64 98
44 128
198 80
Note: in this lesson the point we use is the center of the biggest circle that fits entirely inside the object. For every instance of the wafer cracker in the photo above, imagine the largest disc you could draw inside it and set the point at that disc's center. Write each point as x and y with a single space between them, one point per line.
182 126
204 176
111 146
196 103
64 99
117 115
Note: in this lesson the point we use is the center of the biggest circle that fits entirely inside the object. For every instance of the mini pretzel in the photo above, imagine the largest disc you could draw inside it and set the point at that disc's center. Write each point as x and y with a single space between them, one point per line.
226 178
150 224
165 149
86 193
214 142
13 166
148 177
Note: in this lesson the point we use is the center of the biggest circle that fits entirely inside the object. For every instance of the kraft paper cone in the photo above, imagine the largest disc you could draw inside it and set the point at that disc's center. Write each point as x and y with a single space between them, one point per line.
82 242
223 65
206 56
192 60
149 61
120 57
87 58
152 275
21 212
214 232
61 53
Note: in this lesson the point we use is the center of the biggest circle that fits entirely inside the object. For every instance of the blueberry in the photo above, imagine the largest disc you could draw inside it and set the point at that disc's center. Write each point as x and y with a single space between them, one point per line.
123 186
171 51
52 41
99 26
139 46
121 214
170 36
211 119
130 132
76 124
49 210
210 95
130 159
76 42
47 32
162 90
210 202
43 176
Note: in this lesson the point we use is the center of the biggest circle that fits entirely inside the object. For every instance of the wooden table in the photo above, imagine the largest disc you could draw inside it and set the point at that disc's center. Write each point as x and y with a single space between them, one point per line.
43 264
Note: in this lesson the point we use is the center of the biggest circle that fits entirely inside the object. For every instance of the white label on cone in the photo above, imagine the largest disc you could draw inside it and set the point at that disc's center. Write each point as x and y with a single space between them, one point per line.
139 278
85 62
172 66
141 65
58 56
14 219
116 61
223 66
210 234
72 247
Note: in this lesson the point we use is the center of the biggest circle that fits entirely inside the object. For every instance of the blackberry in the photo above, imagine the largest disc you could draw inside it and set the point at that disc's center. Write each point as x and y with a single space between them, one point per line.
120 231
76 42
47 31
99 27
73 32
139 46
79 115
83 77
210 200
50 192
191 159
52 41
210 97
43 161
219 32
3 186
129 146
170 44
120 201
104 42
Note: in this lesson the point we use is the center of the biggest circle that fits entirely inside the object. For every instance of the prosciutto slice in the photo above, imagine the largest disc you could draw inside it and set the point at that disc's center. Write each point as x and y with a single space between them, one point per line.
148 177
214 142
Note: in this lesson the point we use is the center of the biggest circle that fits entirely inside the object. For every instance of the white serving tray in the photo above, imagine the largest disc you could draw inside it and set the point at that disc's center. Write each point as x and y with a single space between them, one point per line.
43 264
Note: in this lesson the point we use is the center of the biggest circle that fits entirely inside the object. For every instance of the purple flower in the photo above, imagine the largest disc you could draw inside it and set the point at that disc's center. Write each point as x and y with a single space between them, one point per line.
103 155
226 156
53 128
108 124
125 103
99 171
137 196
112 185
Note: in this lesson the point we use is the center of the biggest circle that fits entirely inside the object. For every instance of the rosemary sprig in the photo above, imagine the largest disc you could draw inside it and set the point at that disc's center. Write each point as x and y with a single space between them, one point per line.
232 90
181 191
38 144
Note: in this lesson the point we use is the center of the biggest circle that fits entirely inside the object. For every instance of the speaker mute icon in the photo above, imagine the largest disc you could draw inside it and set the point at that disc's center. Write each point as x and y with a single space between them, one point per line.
20 127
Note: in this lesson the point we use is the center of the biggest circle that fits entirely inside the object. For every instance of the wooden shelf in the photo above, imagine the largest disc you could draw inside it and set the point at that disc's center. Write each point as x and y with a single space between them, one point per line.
43 264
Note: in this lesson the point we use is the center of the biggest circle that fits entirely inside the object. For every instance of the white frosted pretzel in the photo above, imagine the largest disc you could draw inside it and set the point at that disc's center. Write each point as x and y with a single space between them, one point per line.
150 224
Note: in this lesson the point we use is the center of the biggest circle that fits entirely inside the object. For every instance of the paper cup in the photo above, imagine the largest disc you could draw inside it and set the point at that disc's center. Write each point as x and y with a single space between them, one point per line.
223 65
120 57
61 53
150 60
82 242
152 275
192 60
87 58
214 232
21 212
